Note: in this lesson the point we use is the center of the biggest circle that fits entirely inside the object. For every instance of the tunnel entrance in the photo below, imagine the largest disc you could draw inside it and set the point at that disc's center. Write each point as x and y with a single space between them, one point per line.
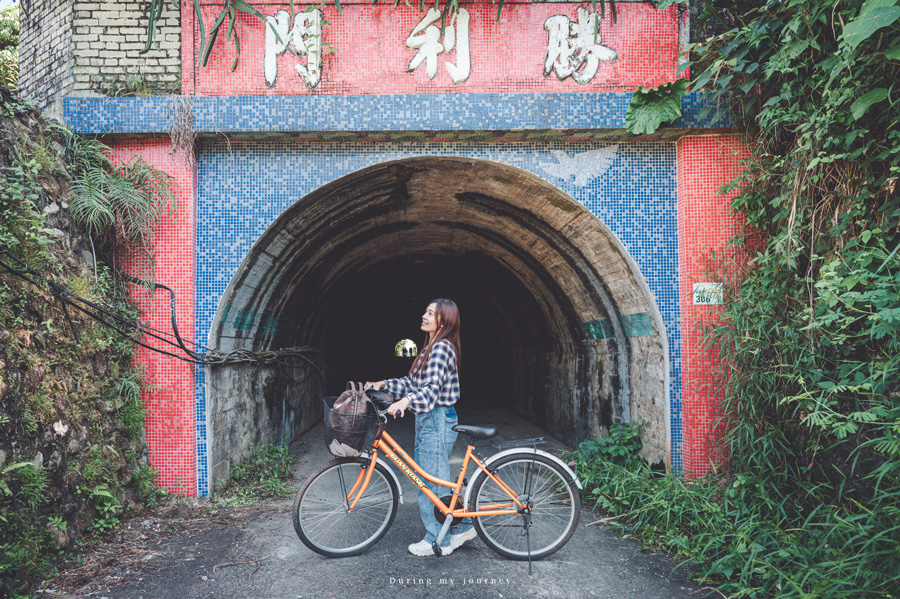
558 325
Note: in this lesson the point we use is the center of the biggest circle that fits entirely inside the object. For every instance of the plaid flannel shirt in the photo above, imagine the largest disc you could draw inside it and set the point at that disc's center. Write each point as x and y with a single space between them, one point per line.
435 385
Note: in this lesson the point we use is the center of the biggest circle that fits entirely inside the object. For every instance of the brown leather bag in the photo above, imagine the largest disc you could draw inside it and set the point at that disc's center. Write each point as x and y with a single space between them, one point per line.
347 421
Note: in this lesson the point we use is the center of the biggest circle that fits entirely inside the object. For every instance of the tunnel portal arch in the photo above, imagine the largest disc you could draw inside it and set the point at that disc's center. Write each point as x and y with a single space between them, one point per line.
559 325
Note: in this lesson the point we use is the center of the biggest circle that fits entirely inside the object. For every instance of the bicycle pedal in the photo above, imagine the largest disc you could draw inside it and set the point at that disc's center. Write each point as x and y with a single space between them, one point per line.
437 549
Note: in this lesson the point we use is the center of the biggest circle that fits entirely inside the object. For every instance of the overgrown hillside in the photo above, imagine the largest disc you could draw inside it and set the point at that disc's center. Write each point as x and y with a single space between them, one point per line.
71 418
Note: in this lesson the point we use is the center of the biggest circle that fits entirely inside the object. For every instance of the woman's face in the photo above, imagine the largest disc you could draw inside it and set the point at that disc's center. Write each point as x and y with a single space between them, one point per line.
429 319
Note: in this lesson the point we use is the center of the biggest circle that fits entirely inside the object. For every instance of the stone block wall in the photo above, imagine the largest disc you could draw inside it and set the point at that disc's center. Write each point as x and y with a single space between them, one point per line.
106 40
82 48
45 51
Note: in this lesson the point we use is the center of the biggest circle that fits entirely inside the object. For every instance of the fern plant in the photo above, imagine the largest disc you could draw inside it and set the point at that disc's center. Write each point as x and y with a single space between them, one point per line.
4 486
122 205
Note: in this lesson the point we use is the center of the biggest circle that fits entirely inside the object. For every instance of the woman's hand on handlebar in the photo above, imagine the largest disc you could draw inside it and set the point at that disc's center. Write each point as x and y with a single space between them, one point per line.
378 386
398 407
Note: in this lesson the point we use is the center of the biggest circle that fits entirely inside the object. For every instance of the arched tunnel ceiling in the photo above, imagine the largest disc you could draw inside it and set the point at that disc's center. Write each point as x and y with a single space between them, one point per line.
413 274
351 265
442 206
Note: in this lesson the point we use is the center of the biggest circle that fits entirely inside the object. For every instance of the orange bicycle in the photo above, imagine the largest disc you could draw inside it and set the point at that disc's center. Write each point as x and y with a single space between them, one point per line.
523 501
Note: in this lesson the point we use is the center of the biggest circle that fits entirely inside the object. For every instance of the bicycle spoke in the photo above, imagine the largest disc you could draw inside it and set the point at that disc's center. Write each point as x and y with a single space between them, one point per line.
553 507
321 514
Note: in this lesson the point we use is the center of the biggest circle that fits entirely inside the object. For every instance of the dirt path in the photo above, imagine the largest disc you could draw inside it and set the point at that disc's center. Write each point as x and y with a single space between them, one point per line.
254 552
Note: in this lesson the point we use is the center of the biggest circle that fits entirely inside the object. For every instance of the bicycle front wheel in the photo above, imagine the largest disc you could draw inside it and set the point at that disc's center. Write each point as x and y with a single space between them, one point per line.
321 517
548 491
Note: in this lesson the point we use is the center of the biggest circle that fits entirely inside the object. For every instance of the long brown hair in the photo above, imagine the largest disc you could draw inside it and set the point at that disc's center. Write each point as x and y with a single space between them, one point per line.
446 316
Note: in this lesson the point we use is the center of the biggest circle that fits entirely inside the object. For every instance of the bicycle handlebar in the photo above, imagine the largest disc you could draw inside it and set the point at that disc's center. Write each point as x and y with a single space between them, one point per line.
381 399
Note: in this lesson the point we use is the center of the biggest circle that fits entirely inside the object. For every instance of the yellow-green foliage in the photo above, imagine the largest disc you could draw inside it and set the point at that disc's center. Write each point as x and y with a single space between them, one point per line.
9 47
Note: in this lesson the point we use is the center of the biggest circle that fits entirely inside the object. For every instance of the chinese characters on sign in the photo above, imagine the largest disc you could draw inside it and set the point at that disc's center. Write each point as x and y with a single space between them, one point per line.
425 38
575 45
574 48
305 37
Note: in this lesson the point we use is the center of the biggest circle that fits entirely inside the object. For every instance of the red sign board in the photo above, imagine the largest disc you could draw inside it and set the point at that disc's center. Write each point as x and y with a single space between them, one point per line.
385 49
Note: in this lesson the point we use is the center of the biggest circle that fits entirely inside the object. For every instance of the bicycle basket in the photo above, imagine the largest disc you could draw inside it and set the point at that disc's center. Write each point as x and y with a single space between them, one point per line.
346 433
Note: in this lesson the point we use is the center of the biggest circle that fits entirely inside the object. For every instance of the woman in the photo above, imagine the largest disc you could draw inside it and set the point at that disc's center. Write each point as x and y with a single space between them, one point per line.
429 391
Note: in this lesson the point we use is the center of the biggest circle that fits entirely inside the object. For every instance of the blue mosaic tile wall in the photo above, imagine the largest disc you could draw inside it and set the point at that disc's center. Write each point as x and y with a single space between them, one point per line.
430 112
242 190
202 438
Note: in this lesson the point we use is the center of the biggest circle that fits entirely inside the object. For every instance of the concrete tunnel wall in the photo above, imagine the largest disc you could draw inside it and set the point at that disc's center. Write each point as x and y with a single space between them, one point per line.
543 286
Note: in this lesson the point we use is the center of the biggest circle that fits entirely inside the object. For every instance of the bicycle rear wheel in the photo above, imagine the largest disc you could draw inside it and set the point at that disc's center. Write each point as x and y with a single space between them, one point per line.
541 484
320 511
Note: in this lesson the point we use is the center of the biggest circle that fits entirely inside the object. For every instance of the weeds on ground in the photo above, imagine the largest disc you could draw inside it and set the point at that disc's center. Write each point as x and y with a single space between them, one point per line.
258 478
747 537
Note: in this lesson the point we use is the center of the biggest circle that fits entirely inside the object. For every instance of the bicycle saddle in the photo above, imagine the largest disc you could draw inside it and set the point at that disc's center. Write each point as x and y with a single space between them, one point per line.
477 432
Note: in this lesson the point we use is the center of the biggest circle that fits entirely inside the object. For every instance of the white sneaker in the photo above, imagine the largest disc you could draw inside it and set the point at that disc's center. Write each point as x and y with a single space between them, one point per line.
423 548
456 541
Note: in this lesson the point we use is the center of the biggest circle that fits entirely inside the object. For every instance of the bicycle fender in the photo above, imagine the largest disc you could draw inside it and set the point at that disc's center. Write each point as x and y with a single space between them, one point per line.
503 454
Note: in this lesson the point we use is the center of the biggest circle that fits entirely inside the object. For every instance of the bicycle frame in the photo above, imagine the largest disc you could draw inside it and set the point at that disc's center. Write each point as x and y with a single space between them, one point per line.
391 449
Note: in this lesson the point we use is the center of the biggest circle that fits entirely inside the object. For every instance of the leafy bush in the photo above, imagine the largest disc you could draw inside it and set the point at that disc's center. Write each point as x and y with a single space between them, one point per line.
9 47
810 331
619 447
743 533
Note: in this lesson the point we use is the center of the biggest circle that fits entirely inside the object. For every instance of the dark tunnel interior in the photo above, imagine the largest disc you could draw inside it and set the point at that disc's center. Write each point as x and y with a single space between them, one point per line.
369 311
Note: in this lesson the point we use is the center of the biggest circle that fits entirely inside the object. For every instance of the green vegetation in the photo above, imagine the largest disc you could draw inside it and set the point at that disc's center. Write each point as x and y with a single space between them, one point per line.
130 86
809 503
9 47
734 528
651 107
23 229
620 447
22 495
810 344
119 205
260 477
71 415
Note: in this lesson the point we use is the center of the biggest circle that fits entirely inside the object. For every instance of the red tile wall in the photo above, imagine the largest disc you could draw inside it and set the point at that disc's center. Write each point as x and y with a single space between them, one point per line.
170 423
705 224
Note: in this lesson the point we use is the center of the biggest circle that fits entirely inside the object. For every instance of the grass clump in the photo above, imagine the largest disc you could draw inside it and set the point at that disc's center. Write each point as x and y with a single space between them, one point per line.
262 476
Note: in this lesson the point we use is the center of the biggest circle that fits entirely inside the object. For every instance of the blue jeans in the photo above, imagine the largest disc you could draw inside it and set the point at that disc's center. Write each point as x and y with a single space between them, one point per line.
434 442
